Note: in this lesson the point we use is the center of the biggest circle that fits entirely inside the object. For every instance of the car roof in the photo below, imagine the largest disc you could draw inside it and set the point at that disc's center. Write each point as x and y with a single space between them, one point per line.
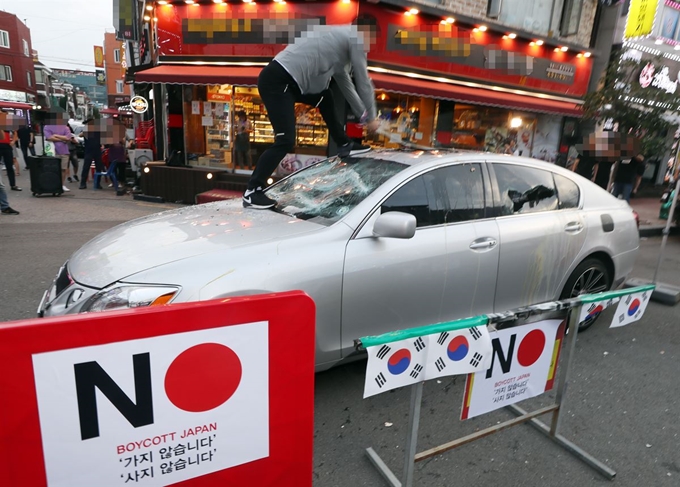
412 157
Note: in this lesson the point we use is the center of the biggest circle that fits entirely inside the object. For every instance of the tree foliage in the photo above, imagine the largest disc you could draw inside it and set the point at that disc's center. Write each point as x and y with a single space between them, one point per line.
623 103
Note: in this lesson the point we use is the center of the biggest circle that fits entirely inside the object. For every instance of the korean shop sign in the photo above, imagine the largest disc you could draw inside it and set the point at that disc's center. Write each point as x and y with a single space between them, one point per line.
640 19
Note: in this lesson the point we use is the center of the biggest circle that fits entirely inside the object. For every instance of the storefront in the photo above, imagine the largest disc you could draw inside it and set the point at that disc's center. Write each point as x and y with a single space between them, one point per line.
438 84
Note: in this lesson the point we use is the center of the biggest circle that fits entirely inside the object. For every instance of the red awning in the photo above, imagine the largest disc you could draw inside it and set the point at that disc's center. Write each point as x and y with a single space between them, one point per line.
420 87
15 104
200 75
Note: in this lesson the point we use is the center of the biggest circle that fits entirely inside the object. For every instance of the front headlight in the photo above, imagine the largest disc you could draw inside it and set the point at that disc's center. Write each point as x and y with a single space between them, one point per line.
129 296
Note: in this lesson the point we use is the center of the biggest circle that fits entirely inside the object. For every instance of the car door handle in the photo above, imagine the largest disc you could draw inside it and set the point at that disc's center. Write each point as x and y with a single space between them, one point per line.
573 227
483 244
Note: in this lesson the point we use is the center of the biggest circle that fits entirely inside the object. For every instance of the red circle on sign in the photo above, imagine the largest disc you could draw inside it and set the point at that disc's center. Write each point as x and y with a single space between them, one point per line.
203 377
531 348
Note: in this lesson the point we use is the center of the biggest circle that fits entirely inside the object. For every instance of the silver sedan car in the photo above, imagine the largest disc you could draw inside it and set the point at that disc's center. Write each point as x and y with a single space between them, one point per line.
382 242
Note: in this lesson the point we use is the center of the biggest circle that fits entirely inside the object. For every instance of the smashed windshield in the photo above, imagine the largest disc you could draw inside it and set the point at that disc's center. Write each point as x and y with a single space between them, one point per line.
327 191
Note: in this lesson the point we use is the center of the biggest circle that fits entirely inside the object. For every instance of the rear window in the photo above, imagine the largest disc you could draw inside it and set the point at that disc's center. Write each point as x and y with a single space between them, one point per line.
568 192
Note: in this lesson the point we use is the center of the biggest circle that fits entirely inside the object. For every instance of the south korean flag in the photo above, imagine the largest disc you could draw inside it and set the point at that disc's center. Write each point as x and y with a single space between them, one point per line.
459 352
593 310
395 364
631 308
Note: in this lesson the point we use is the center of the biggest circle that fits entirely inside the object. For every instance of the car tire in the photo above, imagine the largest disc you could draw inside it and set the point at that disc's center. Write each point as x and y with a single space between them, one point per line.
590 276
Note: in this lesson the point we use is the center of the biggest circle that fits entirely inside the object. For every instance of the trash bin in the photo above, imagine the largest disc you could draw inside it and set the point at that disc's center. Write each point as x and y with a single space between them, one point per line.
45 174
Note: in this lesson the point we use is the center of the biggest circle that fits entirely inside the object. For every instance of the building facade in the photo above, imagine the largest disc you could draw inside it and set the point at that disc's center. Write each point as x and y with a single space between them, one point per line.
118 93
85 81
17 76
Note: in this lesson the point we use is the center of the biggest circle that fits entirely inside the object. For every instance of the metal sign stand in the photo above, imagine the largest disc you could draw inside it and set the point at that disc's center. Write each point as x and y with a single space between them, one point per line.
551 431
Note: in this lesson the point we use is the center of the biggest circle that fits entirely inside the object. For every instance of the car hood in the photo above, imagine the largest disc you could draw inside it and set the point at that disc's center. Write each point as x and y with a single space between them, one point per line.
170 236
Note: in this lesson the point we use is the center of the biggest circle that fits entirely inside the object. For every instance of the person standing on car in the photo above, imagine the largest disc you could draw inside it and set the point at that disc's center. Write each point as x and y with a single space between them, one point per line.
302 73
625 174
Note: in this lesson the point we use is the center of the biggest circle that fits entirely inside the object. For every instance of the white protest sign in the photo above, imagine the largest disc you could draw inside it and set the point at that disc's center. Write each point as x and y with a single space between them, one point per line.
523 365
154 411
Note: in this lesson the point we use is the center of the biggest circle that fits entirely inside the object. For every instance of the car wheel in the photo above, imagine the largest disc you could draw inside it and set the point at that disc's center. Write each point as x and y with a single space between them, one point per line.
590 277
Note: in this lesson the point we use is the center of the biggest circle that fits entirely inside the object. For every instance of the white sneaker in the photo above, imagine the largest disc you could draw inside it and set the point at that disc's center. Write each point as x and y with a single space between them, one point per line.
65 188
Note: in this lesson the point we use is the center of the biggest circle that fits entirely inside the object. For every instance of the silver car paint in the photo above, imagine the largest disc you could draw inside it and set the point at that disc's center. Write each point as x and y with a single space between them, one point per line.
219 249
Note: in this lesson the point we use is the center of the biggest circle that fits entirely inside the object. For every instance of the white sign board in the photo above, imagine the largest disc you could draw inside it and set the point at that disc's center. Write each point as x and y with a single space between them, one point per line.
523 365
154 411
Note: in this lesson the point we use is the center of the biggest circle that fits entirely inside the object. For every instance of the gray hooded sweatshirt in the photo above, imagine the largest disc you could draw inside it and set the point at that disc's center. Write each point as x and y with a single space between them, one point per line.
332 51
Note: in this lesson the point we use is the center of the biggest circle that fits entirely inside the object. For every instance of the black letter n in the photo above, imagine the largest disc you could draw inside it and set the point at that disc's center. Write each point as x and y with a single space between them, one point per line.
504 361
90 375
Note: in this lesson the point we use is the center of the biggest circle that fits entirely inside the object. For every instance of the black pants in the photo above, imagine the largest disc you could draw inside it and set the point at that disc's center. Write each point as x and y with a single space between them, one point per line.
73 159
24 151
87 161
279 93
7 155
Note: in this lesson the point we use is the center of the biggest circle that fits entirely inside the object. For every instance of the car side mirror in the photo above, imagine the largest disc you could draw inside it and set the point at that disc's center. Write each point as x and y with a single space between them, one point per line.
395 224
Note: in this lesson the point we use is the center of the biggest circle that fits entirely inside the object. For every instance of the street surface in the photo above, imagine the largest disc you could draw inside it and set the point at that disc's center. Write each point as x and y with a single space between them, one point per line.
621 405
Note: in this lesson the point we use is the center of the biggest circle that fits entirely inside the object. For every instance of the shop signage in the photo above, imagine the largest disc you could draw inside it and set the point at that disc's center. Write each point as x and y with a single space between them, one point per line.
219 93
640 19
523 365
649 77
662 81
11 95
98 56
101 77
125 19
404 43
139 104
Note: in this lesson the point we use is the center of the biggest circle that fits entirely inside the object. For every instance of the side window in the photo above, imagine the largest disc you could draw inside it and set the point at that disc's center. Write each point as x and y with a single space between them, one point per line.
525 189
465 189
567 192
419 198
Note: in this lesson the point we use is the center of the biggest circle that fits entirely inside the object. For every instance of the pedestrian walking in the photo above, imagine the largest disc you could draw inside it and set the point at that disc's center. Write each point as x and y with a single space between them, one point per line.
7 138
93 152
59 134
625 174
26 142
302 73
243 128
116 160
72 155
5 209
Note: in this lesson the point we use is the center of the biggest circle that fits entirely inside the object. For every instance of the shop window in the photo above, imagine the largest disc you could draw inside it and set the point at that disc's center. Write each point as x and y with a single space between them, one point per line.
418 198
567 192
525 190
5 73
533 16
404 119
4 39
465 192
571 17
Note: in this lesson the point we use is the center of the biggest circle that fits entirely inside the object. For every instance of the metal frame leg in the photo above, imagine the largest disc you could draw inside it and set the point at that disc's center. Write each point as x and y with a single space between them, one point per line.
411 443
552 432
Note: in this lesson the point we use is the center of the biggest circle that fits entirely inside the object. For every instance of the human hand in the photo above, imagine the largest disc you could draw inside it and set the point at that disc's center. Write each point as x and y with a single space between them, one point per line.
373 126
